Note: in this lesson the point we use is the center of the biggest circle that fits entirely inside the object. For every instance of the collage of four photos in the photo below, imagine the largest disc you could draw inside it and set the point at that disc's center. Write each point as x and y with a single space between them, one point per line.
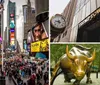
49 42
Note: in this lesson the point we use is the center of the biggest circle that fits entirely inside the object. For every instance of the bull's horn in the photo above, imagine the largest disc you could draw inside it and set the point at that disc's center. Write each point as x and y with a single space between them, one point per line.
68 54
93 57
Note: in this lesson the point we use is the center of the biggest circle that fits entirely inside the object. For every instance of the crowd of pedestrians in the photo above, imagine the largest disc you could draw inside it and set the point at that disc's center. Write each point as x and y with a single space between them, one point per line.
35 72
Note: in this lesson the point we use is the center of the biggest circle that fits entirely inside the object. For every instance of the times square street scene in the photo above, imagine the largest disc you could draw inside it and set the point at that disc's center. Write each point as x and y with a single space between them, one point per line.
24 42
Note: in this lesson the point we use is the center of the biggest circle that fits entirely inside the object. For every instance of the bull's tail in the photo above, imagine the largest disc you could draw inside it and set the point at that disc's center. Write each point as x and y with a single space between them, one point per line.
57 70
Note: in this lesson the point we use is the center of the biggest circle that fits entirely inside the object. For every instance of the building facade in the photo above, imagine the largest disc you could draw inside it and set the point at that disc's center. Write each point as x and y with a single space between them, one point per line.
86 21
6 38
29 18
1 31
82 17
1 21
68 14
11 23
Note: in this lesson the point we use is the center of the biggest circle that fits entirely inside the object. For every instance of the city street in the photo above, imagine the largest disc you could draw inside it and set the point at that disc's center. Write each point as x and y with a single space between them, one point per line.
60 80
24 43
9 82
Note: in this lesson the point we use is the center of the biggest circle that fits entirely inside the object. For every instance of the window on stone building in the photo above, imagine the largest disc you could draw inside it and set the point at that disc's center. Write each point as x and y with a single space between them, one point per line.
82 3
86 1
59 38
80 15
74 21
64 34
88 8
77 6
83 12
93 5
98 3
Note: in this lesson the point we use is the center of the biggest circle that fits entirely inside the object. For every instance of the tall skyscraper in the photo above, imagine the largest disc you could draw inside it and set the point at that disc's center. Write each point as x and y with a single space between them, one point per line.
29 18
6 38
11 23
1 30
1 19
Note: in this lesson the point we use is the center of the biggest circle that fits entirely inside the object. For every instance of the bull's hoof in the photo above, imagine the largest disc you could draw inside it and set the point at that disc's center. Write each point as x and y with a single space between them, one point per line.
67 81
76 83
89 81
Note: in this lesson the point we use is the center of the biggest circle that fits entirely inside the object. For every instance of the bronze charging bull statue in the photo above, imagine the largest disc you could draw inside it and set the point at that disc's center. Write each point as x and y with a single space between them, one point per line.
75 64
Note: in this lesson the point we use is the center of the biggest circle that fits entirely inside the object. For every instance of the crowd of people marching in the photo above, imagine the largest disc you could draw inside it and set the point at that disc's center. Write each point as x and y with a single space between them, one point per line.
35 72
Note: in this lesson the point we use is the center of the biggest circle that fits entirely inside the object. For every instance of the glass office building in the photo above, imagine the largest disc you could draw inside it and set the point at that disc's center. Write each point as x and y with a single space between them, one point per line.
86 22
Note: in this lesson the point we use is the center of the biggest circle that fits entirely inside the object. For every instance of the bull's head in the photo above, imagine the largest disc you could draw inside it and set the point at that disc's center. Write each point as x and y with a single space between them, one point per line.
80 64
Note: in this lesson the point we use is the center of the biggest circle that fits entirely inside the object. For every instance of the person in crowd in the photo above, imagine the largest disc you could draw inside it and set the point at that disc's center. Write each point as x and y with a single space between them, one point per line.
19 80
46 78
23 73
39 83
29 71
32 79
24 83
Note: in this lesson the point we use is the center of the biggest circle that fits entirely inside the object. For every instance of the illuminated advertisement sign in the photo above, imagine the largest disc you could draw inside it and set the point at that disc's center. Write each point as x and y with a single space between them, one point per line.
0 39
25 44
12 30
12 34
28 47
35 47
12 42
12 24
44 45
12 39
11 15
40 46
0 28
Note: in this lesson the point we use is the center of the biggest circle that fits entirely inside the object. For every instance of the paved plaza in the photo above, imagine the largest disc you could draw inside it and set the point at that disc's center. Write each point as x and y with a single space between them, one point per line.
60 80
